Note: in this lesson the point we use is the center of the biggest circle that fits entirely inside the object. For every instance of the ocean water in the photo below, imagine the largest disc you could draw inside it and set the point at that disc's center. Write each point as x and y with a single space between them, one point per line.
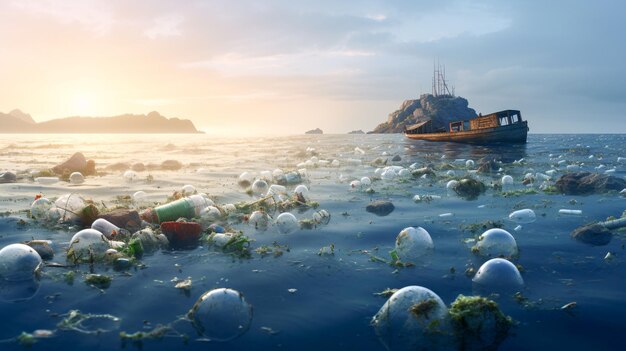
333 301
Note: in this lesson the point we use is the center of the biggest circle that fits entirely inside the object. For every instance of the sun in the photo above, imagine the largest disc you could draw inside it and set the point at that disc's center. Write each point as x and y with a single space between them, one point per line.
82 104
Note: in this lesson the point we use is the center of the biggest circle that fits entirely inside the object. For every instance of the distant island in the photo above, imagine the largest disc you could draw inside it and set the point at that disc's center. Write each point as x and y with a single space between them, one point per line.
357 132
315 131
17 121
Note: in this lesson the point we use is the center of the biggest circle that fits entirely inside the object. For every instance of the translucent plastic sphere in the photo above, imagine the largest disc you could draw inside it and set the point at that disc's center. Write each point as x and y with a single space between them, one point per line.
287 223
245 179
276 189
210 213
266 176
497 242
355 184
188 189
221 314
451 184
88 244
302 190
523 216
469 164
77 178
18 262
507 180
413 243
130 176
259 219
229 208
335 163
405 321
69 205
366 181
498 274
260 186
278 174
389 175
404 173
321 217
39 208
140 196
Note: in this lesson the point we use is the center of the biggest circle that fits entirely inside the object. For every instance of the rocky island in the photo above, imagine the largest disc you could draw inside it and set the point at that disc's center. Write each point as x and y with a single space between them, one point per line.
441 109
17 121
315 131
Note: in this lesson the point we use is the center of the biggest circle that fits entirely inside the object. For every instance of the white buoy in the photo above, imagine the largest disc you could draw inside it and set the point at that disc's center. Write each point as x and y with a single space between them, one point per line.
221 314
497 242
404 322
413 243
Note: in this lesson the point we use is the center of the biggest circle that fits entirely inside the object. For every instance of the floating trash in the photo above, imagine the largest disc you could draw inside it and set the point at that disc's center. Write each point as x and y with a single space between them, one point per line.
451 185
302 191
259 187
287 223
366 181
140 196
496 242
105 227
498 274
77 178
570 212
413 243
210 213
507 180
478 323
39 209
87 245
413 318
523 216
47 180
70 205
266 176
221 314
19 262
188 190
260 220
245 179
130 176
188 207
321 217
469 164
276 189
404 173
355 184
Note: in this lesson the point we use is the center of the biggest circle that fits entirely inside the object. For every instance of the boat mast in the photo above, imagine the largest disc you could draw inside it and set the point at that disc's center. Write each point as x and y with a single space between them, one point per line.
440 85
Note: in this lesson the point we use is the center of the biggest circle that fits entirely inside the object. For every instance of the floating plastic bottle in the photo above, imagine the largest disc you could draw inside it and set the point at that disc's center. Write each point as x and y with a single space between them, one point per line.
107 228
413 318
523 216
19 262
413 243
77 178
498 274
497 242
287 223
221 314
188 207
88 245
570 212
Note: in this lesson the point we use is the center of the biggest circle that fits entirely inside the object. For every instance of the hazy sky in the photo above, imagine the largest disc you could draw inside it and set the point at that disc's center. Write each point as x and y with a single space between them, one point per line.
283 67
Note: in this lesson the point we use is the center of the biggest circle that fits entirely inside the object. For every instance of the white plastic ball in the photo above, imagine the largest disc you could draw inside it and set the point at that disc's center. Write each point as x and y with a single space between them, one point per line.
19 262
287 223
88 244
523 216
498 274
77 178
497 242
413 243
221 314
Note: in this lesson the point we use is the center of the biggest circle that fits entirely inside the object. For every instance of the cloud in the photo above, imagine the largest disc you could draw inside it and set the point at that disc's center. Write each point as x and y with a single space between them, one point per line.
165 27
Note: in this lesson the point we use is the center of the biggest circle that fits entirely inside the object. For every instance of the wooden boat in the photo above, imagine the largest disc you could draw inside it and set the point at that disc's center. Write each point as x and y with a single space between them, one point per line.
500 127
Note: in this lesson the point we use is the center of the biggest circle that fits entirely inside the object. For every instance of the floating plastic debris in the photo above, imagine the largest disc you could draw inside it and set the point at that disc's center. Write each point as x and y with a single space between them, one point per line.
130 176
69 205
188 190
447 214
221 314
366 181
87 245
287 223
498 274
570 212
88 323
469 164
260 187
478 323
303 191
321 217
507 180
413 243
47 180
404 173
523 216
210 213
259 219
77 178
413 318
39 209
140 196
188 207
355 184
105 227
496 242
245 179
266 176
451 185
19 262
518 228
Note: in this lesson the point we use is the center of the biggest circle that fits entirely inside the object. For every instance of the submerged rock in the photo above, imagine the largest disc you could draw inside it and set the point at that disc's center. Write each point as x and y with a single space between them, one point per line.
478 323
380 207
171 165
8 177
76 163
583 183
315 131
594 235
357 132
43 248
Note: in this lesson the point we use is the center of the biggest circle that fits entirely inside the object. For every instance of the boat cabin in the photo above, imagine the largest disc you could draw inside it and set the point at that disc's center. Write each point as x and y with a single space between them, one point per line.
493 120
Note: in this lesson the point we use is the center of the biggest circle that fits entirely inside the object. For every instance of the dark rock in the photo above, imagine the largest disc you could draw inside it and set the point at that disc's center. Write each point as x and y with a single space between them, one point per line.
440 109
396 158
171 165
357 132
123 218
43 248
380 207
584 183
315 131
8 177
469 188
595 234
76 163
138 167
118 167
